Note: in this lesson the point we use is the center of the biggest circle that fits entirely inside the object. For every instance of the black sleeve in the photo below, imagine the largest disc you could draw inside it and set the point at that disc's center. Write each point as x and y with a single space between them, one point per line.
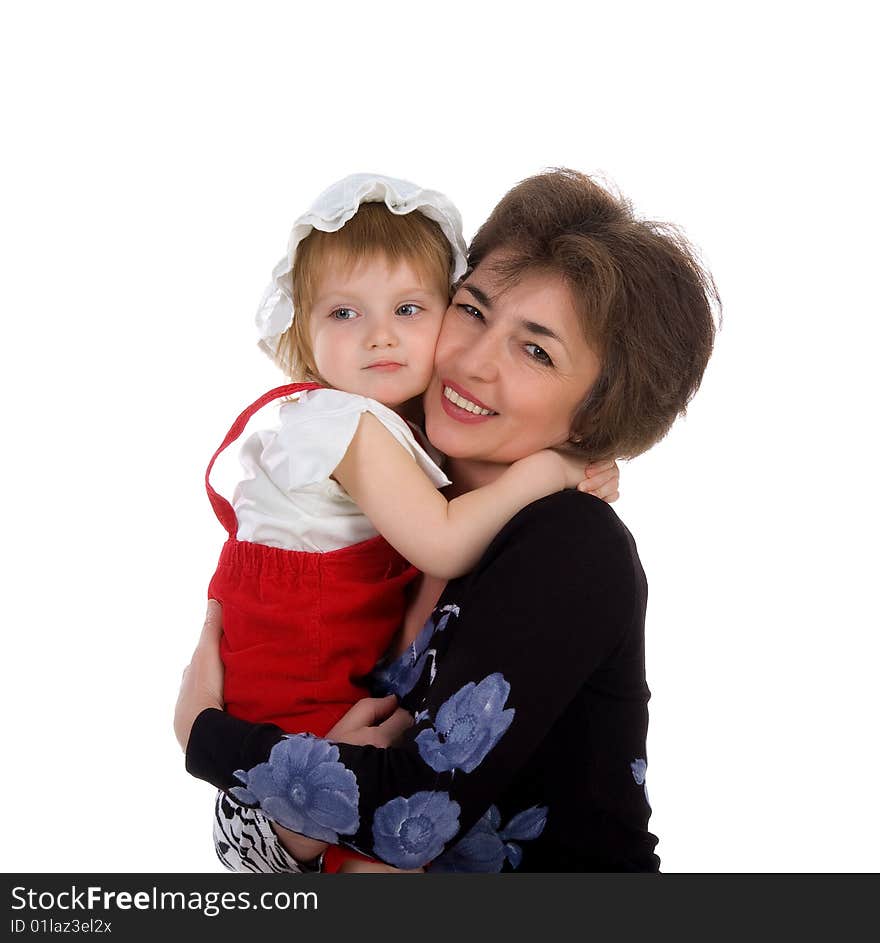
552 598
219 744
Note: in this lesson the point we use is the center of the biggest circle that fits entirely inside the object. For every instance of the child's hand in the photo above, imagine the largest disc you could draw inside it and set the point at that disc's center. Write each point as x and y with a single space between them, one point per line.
601 480
574 468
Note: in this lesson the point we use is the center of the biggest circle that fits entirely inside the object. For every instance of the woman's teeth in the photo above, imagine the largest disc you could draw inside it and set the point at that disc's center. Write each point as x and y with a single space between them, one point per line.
463 403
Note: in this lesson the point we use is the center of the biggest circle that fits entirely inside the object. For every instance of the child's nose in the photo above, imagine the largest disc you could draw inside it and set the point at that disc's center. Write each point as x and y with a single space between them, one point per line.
382 335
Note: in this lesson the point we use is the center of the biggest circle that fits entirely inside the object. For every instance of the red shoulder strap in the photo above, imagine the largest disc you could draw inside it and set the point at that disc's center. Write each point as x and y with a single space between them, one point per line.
222 508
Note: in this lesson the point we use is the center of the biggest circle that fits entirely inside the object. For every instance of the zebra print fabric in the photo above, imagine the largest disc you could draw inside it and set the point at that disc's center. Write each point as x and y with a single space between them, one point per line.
244 841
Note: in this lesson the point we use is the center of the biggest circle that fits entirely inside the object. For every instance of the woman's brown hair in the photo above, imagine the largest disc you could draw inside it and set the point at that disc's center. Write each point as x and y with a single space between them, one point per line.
645 301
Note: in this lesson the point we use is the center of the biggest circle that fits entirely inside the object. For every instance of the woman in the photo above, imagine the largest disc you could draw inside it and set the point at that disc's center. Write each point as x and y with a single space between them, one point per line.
580 327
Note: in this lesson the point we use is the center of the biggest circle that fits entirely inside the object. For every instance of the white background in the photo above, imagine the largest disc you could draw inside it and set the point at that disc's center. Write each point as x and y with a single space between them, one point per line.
155 156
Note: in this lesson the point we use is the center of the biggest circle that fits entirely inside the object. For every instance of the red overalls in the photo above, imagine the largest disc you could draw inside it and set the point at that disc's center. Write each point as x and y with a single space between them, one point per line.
301 629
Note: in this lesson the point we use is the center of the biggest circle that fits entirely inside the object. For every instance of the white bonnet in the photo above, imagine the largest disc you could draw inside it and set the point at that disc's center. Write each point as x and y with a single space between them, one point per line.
330 212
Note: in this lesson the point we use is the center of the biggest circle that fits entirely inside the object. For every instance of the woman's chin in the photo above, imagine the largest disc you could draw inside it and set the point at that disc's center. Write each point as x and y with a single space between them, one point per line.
443 437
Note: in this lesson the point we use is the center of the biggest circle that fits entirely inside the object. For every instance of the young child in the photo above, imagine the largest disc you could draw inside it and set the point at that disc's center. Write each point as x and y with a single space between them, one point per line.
341 507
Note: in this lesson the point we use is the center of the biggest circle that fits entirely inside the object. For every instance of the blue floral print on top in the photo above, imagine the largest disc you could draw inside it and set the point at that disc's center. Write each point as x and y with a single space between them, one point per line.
303 787
486 846
408 833
639 769
400 676
468 725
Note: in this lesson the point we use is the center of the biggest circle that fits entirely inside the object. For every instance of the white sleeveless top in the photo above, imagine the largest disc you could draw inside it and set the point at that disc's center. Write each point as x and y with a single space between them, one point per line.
289 499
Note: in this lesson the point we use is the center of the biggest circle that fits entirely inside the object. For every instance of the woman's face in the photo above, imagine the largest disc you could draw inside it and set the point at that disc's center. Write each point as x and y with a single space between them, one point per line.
511 368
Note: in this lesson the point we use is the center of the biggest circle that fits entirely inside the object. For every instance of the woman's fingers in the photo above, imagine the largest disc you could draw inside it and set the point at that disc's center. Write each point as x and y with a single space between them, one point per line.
202 683
206 658
370 711
213 627
356 723
376 721
394 727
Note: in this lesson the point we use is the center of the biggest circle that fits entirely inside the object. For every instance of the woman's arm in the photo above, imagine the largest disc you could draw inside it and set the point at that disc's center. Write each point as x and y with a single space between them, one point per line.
440 537
550 601
371 720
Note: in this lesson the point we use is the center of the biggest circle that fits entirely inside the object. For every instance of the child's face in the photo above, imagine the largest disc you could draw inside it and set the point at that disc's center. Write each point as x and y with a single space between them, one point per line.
373 329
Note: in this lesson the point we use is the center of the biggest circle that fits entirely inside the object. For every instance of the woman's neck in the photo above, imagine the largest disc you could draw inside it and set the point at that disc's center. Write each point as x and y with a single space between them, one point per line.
468 474
412 411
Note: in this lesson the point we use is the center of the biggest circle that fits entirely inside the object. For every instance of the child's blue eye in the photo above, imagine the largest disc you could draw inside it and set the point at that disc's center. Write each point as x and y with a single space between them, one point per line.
344 314
539 354
408 310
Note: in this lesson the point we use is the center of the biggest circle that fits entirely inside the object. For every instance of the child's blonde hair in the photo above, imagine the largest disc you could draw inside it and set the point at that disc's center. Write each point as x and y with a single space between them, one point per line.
373 230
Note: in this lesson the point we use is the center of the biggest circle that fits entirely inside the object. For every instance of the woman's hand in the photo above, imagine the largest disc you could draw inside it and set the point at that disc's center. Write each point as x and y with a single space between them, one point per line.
602 480
373 721
202 683
376 721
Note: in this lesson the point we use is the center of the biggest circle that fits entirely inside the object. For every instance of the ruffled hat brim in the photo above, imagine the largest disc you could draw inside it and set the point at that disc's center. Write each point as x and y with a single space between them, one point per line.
329 213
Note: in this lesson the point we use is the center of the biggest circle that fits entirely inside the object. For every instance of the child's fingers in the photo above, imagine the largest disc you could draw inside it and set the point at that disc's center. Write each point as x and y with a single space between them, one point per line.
607 492
596 467
598 479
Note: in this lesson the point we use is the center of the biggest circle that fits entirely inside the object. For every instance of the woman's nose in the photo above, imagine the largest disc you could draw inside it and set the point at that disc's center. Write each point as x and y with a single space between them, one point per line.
481 359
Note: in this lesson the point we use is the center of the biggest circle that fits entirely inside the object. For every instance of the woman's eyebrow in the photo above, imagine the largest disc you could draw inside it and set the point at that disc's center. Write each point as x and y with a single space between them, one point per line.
541 330
478 295
533 327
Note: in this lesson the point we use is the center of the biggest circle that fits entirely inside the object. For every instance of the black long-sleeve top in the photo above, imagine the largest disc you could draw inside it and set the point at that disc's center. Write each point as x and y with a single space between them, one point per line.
529 693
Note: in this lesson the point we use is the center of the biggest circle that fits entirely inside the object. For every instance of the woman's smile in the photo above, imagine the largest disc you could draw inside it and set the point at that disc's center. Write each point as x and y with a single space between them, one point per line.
462 405
511 368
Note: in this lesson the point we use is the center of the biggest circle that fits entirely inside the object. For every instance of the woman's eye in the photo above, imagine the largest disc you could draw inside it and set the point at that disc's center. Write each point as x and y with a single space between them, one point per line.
539 354
471 311
408 310
344 314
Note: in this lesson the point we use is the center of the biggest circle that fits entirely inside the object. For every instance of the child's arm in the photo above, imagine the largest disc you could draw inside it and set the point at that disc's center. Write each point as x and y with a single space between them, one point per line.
440 537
